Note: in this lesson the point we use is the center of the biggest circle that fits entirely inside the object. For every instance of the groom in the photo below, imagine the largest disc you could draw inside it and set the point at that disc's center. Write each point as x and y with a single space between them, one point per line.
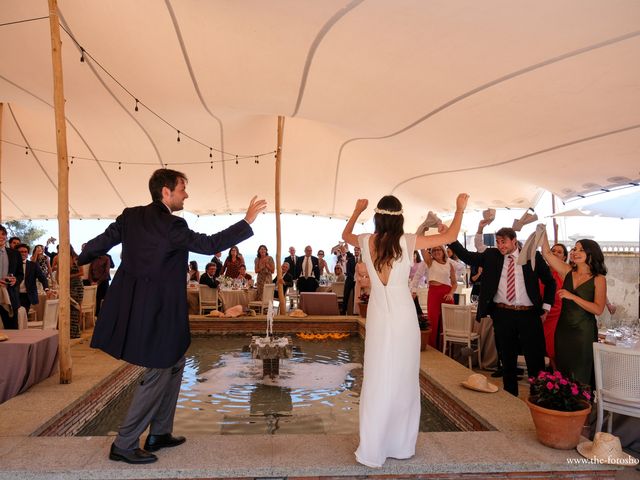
144 318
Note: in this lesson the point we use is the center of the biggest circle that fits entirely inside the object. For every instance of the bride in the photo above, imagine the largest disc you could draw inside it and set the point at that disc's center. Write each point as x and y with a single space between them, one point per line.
390 397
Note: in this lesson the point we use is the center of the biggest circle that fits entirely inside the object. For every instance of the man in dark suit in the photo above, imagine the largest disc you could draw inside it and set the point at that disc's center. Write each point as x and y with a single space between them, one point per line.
349 260
11 276
287 278
510 294
209 276
292 260
309 276
28 290
216 259
144 317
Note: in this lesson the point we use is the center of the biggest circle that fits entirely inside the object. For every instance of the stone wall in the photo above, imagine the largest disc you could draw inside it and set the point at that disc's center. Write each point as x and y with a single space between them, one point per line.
622 287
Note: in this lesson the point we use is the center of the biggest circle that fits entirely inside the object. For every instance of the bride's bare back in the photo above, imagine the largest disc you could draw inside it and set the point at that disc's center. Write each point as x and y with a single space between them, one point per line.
386 269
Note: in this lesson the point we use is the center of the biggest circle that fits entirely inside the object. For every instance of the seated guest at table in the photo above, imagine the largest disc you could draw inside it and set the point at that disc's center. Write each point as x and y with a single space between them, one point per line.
216 259
287 278
292 260
417 260
28 290
584 295
209 276
100 275
231 267
322 263
11 275
245 277
264 268
41 259
308 280
194 274
340 277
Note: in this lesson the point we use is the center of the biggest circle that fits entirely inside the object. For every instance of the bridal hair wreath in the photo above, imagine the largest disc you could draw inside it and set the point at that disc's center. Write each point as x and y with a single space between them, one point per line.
382 211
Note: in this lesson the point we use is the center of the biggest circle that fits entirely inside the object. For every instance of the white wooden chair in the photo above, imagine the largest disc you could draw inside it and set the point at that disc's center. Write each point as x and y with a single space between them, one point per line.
88 305
50 316
338 289
267 297
457 327
617 372
208 298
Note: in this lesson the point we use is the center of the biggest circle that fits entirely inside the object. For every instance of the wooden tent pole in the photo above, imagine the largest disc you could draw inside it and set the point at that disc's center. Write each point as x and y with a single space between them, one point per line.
277 212
555 223
1 112
64 254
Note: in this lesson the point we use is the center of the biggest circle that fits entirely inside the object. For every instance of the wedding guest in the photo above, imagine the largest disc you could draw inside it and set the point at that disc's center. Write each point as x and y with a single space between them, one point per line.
322 263
264 268
309 271
551 321
77 294
348 261
38 256
292 260
417 260
510 294
209 276
216 259
194 274
144 319
459 267
244 277
442 286
583 294
28 290
100 275
363 284
231 266
287 279
11 275
14 242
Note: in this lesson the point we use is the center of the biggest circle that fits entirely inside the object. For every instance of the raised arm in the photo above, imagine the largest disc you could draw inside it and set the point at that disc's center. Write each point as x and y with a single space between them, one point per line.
446 235
347 234
554 262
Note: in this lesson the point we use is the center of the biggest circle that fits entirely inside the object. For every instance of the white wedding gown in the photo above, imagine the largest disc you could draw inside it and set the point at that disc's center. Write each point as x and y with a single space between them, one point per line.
390 397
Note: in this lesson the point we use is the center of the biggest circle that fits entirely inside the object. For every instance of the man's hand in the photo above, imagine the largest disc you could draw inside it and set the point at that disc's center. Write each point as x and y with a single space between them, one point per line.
255 208
543 317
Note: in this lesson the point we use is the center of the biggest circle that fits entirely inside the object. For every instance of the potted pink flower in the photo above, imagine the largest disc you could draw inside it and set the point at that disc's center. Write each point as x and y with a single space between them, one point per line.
559 407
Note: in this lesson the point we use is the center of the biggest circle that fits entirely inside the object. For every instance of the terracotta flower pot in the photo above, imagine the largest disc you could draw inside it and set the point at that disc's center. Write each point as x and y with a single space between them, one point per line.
558 429
362 309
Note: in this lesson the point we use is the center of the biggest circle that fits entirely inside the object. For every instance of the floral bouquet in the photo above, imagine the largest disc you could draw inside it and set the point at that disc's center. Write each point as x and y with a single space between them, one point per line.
364 298
553 391
226 282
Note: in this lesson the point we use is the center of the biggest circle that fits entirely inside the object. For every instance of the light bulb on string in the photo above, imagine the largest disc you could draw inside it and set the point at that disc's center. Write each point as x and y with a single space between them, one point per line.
178 135
82 54
119 165
236 159
210 152
256 161
72 158
26 150
137 101
211 165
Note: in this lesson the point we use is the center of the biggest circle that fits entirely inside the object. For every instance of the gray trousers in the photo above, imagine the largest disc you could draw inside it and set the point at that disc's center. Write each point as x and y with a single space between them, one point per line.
154 404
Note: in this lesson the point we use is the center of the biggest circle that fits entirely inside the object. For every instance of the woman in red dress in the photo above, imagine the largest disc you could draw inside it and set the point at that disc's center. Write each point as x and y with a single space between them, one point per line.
549 325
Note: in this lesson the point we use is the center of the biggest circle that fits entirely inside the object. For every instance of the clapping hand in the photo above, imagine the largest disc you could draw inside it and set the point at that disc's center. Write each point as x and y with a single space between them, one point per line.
255 208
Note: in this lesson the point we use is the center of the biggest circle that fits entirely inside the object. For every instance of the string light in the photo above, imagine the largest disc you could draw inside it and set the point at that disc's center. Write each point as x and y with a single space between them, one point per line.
136 109
119 165
26 150
236 159
210 152
178 135
72 158
81 54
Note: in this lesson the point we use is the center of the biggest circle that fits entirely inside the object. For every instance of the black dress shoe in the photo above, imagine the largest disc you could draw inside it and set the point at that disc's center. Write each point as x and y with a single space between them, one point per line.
135 456
156 442
498 373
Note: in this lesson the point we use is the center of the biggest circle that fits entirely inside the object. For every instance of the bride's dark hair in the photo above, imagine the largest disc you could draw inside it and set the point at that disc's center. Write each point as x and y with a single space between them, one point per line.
389 229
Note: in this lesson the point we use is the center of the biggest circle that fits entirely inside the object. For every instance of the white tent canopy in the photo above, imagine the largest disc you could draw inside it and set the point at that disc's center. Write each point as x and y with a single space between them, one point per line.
420 99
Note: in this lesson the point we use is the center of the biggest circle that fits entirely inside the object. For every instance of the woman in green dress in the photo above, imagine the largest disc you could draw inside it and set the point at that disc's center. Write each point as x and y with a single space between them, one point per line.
583 294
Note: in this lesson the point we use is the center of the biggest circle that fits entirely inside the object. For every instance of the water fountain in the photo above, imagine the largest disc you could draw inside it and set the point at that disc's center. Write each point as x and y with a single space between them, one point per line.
270 349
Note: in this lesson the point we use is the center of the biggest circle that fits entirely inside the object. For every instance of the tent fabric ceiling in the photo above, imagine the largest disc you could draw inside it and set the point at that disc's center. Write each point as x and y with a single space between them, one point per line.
420 99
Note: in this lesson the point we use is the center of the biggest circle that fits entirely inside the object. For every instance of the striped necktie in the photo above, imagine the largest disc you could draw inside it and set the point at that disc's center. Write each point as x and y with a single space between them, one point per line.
511 281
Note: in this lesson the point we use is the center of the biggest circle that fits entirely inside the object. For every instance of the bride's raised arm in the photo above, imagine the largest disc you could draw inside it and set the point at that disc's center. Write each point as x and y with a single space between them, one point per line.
446 235
347 234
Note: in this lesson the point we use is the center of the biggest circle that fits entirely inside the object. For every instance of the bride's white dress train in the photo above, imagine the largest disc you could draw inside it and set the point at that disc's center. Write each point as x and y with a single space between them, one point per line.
390 397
